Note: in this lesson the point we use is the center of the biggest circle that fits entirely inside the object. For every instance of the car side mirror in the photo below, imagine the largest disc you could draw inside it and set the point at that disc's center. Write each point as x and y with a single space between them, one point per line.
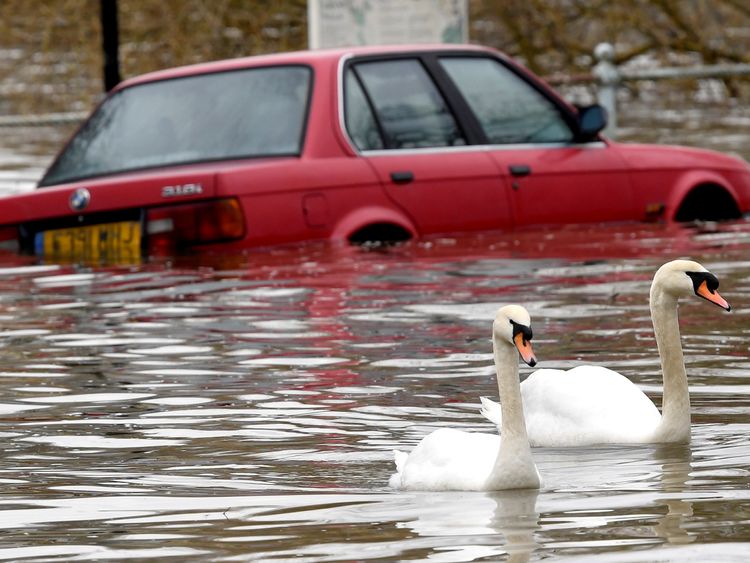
591 120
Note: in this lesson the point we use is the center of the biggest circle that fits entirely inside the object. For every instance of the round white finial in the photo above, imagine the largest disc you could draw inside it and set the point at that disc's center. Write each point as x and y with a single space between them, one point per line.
604 52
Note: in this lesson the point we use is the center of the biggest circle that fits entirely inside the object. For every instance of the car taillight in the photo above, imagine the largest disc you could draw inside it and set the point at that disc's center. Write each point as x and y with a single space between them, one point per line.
194 223
9 238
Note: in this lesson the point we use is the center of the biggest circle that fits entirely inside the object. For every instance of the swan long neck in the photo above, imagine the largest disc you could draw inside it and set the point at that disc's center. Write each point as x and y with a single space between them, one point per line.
675 422
509 388
514 467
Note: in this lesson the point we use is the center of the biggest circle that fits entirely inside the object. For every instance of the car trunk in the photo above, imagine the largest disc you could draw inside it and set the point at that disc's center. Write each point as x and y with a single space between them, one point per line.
118 217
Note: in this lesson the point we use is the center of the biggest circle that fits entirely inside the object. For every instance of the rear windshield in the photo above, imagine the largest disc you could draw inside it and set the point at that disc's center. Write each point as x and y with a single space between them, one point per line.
226 115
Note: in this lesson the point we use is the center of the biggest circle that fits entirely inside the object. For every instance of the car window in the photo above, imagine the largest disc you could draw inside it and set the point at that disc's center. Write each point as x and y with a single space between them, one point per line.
411 110
509 109
360 122
245 113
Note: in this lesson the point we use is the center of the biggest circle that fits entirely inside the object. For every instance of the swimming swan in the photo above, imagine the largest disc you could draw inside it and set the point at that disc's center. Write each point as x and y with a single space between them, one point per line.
449 459
595 405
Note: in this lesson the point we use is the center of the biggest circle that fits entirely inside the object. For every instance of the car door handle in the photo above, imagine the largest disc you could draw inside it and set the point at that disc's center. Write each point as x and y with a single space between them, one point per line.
402 177
519 170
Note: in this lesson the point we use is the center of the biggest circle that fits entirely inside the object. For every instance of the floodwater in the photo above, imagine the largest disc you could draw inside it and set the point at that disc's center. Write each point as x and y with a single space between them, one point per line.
246 408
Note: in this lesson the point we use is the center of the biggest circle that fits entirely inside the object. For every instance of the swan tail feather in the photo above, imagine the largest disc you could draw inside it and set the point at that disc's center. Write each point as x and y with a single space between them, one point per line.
492 411
400 458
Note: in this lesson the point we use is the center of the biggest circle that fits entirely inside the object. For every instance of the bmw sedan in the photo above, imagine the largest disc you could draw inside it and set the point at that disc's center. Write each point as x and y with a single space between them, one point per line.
356 144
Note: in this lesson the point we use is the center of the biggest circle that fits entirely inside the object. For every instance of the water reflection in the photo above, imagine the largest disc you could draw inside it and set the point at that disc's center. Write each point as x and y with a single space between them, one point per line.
517 519
676 467
493 524
247 409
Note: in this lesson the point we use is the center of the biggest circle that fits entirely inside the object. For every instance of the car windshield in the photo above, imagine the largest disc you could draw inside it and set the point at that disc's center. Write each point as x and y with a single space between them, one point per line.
226 115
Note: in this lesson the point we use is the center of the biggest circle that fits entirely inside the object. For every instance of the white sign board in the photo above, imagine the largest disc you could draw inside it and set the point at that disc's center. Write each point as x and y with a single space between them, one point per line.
343 23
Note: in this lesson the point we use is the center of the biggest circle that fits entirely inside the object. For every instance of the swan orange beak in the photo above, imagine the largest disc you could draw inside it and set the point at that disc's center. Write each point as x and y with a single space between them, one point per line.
524 348
712 296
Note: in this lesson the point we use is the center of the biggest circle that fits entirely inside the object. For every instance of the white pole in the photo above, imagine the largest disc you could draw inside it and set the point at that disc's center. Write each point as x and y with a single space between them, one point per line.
608 78
313 24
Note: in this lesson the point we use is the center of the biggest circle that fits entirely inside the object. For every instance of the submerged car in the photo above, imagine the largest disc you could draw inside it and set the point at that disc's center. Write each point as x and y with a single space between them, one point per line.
356 144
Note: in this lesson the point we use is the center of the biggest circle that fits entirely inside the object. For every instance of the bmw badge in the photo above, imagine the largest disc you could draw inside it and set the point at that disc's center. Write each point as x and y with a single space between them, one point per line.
79 199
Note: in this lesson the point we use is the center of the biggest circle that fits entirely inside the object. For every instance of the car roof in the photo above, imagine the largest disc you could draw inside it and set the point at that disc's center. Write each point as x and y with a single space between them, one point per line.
297 57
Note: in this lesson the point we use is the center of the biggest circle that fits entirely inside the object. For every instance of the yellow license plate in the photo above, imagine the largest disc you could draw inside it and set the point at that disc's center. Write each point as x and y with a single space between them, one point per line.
108 242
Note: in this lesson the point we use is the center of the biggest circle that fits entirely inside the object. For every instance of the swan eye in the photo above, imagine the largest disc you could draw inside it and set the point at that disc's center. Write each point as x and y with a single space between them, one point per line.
698 278
518 328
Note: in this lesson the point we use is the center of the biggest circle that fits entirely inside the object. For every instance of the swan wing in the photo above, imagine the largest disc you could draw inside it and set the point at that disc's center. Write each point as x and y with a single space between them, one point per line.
400 458
586 405
447 459
492 411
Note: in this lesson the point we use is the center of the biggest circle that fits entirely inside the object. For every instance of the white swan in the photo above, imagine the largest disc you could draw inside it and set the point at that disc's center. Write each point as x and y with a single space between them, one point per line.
595 405
451 459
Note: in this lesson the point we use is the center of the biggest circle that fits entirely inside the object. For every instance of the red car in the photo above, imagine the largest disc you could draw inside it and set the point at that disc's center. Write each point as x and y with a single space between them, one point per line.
356 144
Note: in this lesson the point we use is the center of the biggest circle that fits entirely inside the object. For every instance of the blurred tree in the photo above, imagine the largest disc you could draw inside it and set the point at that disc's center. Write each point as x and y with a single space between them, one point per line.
559 35
53 50
52 54
51 59
163 33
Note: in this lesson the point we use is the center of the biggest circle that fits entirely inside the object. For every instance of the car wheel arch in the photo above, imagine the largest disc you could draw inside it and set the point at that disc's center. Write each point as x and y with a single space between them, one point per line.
707 200
367 224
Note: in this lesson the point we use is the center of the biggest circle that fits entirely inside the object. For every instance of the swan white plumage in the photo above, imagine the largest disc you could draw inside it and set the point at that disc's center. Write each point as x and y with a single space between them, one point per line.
450 459
594 405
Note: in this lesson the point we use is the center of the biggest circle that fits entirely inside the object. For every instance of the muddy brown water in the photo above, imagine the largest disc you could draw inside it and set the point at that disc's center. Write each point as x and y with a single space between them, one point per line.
244 408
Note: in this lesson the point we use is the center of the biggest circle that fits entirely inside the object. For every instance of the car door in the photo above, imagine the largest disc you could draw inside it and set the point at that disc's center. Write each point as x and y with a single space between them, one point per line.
553 178
405 129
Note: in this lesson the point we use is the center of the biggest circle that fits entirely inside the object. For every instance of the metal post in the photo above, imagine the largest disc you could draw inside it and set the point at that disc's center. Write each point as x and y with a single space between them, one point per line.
608 78
110 43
